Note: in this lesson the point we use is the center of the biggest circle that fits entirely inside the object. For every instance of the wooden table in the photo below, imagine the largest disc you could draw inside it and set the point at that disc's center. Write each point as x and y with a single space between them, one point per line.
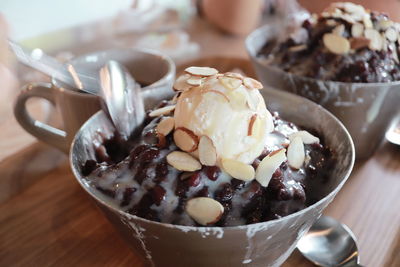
46 219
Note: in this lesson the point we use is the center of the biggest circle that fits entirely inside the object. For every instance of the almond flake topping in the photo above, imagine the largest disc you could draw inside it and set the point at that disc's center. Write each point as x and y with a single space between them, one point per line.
250 83
367 21
183 161
336 44
338 30
195 81
162 111
204 210
269 165
230 83
357 30
297 48
166 125
305 136
234 75
385 24
375 38
207 151
238 170
391 34
201 71
295 153
185 139
181 83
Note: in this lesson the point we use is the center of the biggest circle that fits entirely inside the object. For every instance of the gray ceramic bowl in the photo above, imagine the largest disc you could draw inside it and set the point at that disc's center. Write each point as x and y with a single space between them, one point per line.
262 244
366 109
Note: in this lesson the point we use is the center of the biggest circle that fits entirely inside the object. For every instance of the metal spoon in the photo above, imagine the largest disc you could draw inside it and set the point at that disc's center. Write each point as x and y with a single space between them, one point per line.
118 89
80 79
122 96
329 243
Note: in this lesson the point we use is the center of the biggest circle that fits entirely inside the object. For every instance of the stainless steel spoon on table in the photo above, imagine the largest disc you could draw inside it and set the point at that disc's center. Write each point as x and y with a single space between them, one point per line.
329 243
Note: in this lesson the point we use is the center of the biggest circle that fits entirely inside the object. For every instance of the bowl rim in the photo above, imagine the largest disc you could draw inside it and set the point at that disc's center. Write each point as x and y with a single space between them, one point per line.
250 50
333 192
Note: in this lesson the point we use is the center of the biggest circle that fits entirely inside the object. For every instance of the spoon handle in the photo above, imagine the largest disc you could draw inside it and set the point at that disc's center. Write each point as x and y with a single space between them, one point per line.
46 64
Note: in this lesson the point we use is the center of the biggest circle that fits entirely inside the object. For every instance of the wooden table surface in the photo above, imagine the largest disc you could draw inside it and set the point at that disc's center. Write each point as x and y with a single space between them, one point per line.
46 219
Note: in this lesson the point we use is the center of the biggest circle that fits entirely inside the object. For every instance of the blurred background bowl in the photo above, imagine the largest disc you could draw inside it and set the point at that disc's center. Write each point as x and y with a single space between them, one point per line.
262 244
366 109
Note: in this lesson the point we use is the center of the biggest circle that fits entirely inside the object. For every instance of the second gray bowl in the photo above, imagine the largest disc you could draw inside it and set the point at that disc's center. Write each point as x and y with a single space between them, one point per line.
366 109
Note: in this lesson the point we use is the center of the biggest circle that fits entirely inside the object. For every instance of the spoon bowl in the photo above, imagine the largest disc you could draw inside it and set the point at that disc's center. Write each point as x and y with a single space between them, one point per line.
122 96
329 243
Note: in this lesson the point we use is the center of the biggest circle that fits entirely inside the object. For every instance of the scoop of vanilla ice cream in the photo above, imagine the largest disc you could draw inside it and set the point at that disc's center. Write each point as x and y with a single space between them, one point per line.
227 108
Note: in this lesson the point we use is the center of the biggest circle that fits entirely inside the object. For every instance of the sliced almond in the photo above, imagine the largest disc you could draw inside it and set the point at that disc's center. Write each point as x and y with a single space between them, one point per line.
336 44
251 83
234 75
194 81
375 38
216 92
353 8
207 151
251 102
297 48
162 111
391 34
295 153
305 136
338 30
357 30
180 84
359 42
238 170
252 124
204 210
166 125
230 83
201 71
367 21
350 18
331 22
175 98
269 165
183 161
385 24
185 139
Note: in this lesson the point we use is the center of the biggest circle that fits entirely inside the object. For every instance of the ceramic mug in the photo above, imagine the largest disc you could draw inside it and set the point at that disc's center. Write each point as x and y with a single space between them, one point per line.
155 72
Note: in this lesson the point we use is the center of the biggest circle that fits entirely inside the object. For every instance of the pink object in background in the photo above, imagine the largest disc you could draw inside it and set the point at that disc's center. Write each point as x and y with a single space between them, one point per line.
236 17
